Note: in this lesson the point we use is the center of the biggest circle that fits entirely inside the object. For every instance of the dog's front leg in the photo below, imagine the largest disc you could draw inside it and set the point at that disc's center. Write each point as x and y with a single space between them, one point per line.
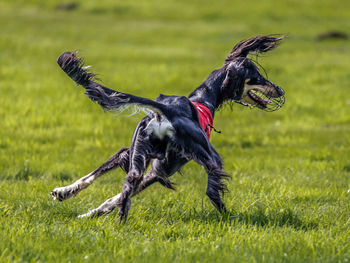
216 187
213 166
121 159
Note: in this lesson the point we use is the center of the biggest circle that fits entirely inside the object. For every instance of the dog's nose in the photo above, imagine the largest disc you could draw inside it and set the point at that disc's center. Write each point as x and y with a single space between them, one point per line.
279 90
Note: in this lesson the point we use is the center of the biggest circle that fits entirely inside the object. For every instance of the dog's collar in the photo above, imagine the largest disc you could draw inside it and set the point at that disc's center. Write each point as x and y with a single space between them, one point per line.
205 118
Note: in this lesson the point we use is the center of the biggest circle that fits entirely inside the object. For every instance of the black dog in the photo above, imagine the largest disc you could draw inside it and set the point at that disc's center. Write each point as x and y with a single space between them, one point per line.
177 128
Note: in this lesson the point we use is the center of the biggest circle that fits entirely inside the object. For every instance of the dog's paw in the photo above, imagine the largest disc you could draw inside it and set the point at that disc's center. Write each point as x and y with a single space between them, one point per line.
91 214
124 208
95 213
64 193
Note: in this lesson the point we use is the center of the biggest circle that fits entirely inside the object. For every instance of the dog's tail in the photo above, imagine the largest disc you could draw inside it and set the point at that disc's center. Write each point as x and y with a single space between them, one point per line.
107 98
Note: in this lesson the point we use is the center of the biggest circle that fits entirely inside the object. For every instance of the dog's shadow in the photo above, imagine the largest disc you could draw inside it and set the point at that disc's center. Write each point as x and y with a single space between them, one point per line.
258 216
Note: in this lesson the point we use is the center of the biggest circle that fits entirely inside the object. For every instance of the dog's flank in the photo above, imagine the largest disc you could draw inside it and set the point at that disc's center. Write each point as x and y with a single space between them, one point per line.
171 134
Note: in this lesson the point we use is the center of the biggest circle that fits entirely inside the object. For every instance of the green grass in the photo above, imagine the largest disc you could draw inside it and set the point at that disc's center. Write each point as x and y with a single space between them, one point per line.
289 196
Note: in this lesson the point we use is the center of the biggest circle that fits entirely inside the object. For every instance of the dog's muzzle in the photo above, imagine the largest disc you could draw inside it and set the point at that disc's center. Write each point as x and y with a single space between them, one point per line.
264 101
273 103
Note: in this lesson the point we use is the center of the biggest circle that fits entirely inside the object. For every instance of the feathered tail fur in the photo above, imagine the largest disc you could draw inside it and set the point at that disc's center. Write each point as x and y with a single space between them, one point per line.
108 99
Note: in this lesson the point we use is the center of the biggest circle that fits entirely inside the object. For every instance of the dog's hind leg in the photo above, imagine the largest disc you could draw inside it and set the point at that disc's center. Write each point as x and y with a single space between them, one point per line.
140 155
121 159
109 205
160 172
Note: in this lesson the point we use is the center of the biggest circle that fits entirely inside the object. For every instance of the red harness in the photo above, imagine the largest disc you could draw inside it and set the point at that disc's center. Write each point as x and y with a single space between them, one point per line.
205 118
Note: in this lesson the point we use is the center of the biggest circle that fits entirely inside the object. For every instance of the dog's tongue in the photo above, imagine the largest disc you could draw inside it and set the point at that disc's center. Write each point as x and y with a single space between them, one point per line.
266 102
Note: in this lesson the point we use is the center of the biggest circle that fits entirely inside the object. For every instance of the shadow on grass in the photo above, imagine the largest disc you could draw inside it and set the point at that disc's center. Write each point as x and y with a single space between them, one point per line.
282 218
258 216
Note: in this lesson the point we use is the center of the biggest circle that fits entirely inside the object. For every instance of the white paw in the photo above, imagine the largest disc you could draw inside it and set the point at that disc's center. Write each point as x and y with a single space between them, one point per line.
64 193
92 213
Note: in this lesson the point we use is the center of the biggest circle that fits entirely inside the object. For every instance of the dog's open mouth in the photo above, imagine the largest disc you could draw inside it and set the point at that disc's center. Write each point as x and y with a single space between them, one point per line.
265 102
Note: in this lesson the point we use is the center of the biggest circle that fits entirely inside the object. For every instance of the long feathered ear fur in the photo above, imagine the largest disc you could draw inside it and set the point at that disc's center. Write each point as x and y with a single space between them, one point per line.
233 85
257 44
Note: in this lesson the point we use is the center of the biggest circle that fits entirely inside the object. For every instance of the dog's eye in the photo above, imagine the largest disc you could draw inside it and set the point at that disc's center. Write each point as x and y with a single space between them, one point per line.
256 81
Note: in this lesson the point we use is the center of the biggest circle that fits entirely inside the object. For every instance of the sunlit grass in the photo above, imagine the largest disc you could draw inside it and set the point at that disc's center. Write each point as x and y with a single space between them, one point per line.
289 193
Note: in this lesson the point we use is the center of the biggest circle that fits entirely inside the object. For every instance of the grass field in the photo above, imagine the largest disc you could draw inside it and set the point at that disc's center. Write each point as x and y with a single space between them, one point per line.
289 196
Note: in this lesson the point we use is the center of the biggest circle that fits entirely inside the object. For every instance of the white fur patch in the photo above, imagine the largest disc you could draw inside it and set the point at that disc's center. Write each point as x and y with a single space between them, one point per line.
160 128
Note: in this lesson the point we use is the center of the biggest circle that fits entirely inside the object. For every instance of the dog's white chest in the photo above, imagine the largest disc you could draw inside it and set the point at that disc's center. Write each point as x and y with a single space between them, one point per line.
160 128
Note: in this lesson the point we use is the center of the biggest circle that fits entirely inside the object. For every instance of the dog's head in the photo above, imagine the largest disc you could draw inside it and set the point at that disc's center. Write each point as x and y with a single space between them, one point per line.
244 82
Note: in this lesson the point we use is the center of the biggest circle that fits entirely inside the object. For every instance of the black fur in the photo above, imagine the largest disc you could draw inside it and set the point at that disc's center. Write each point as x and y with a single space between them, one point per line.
259 44
73 66
188 140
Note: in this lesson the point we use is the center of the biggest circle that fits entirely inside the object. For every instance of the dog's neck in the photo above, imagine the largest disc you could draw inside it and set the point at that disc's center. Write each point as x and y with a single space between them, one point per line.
209 92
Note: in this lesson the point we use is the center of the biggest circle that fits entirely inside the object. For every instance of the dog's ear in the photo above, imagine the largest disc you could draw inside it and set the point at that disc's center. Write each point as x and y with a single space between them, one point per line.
257 44
233 85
